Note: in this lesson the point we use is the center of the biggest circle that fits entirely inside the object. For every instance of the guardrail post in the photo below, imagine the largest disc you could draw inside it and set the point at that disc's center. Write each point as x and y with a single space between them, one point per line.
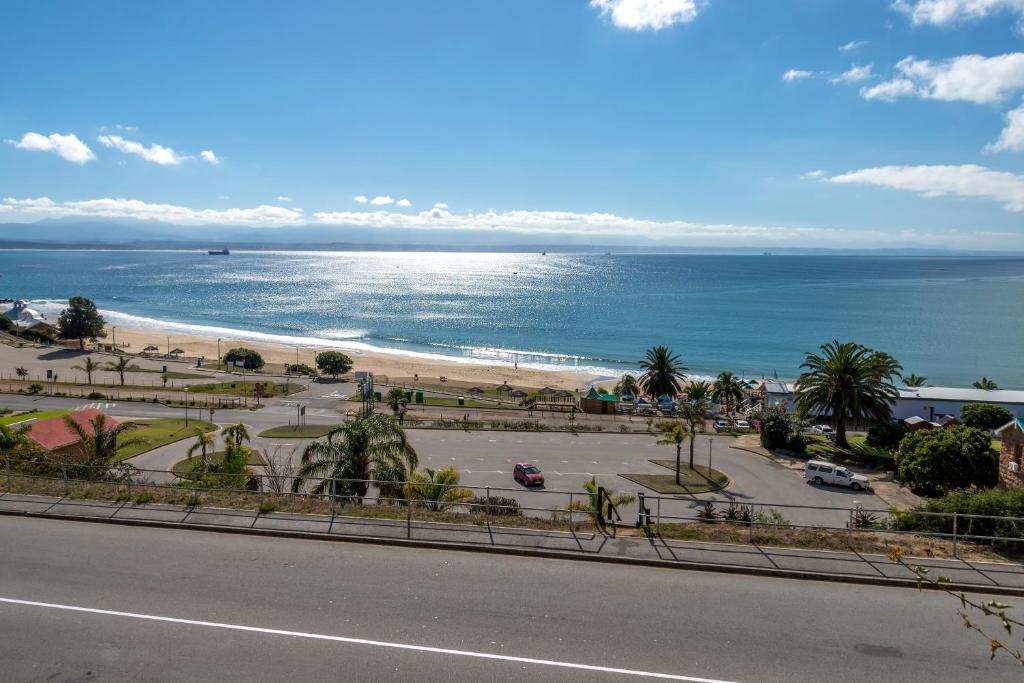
408 518
849 530
599 506
7 469
569 510
64 473
954 537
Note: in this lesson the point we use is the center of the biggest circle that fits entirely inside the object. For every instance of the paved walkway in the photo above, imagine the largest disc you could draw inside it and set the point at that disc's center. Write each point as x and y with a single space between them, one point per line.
798 563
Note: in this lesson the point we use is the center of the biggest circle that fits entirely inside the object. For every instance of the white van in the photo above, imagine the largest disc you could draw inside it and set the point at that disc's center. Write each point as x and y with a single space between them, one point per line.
819 472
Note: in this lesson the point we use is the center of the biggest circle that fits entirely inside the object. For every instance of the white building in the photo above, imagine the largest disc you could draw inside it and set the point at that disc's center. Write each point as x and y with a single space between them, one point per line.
926 402
28 319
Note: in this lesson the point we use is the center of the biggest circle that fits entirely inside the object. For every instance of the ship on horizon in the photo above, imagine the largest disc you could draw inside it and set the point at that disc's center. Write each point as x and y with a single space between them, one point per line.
218 252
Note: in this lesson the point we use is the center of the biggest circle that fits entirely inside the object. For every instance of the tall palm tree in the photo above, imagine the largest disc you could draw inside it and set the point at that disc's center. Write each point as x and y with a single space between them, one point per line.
22 373
122 365
436 489
850 381
691 414
395 399
699 391
88 367
236 433
676 435
627 385
204 441
986 384
98 443
913 380
663 371
374 448
728 391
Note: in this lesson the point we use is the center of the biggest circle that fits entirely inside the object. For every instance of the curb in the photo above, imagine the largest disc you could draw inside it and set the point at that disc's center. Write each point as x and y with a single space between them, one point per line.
530 552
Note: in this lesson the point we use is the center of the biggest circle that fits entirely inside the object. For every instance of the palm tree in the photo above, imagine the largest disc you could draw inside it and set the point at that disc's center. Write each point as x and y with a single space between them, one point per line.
98 443
662 372
676 436
122 365
699 391
395 400
986 384
850 381
236 433
372 448
728 391
436 489
90 366
591 504
204 440
627 385
691 413
913 380
21 372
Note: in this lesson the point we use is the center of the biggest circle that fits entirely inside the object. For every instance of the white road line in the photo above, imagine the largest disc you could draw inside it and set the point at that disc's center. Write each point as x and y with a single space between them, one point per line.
364 641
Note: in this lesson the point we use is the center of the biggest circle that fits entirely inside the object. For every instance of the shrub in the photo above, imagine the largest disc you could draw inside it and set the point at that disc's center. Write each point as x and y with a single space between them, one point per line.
251 360
143 498
267 507
984 415
299 369
95 395
333 363
938 461
778 426
993 503
708 513
771 516
35 388
887 435
495 506
796 443
738 513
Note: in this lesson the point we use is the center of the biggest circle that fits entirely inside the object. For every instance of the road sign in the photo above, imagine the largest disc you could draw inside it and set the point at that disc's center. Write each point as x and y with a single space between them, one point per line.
211 414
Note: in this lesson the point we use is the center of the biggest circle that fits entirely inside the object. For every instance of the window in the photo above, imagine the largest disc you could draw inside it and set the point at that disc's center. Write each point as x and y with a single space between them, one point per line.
825 469
812 468
843 473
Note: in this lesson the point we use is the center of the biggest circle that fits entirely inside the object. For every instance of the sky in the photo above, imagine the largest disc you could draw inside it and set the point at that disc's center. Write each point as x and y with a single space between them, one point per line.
813 123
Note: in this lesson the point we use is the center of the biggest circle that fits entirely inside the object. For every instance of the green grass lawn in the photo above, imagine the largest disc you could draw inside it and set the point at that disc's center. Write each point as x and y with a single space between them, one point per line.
238 388
184 467
36 417
296 432
156 433
697 480
447 402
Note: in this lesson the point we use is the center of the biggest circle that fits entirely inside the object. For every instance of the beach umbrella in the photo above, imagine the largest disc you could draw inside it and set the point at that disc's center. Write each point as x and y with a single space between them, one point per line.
563 394
519 393
177 352
504 388
151 347
475 390
547 390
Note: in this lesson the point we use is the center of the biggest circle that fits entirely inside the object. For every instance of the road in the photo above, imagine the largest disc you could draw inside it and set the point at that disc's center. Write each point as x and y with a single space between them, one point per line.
190 606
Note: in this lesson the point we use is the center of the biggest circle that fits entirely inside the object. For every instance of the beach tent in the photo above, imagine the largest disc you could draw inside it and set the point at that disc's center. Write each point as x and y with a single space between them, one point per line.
519 393
475 391
177 352
503 389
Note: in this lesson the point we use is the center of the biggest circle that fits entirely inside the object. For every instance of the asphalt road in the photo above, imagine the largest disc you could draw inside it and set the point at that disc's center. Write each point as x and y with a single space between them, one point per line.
197 606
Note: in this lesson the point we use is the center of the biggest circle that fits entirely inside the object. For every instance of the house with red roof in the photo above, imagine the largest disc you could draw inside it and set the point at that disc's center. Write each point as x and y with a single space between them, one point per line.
56 437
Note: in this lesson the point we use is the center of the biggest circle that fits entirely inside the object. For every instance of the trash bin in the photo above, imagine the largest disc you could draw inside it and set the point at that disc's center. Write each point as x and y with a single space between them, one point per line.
419 397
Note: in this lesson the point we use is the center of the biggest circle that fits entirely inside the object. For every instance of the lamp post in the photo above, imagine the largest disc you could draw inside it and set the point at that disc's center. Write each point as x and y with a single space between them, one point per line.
711 440
113 332
186 407
218 353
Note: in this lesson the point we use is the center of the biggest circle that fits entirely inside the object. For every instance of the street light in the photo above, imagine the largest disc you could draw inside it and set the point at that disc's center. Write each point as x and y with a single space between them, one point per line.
218 353
113 332
186 407
711 440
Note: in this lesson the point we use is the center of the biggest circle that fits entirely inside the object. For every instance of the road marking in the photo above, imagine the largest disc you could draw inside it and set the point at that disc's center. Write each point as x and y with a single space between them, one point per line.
364 641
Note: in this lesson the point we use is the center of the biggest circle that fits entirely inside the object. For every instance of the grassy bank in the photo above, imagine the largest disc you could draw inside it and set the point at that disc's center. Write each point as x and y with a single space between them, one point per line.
157 433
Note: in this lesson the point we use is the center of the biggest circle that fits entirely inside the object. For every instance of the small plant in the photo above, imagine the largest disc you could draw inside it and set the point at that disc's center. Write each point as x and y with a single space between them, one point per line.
738 513
192 501
771 517
862 519
267 507
143 498
35 388
495 506
708 513
95 395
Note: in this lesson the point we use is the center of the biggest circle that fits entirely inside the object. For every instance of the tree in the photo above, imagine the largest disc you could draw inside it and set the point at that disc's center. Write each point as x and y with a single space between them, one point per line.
204 440
333 363
675 436
728 391
590 487
691 413
436 489
88 367
938 461
122 365
11 439
236 434
887 435
985 415
98 442
627 385
779 428
662 372
699 391
81 321
913 380
396 400
251 360
21 372
849 381
986 384
374 448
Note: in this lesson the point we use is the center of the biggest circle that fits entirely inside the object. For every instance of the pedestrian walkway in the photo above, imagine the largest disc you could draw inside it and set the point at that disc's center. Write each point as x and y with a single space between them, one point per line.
621 546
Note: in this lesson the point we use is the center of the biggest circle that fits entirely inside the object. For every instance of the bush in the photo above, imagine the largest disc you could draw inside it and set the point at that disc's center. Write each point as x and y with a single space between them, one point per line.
299 369
778 427
35 388
95 395
984 415
797 443
252 360
994 503
333 363
143 498
938 461
887 435
495 506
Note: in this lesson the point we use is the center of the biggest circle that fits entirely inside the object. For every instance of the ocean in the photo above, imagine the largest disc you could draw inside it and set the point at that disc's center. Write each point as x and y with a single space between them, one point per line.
952 319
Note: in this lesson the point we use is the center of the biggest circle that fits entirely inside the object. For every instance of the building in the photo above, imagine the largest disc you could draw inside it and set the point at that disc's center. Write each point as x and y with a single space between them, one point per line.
928 403
599 403
57 438
1011 455
27 319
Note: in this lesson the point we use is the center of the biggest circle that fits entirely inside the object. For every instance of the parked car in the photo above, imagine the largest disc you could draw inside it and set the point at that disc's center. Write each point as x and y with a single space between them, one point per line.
819 472
528 475
742 424
822 430
720 425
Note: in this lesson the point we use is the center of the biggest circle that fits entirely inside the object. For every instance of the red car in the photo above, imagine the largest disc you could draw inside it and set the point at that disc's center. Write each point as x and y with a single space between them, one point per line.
528 475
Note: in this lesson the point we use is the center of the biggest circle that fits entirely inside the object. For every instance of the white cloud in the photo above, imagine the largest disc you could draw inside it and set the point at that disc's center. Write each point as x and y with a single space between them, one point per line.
404 203
1012 137
68 147
360 199
382 200
967 180
853 45
949 12
282 198
814 175
440 205
118 126
209 157
262 215
641 15
158 154
796 75
968 78
856 74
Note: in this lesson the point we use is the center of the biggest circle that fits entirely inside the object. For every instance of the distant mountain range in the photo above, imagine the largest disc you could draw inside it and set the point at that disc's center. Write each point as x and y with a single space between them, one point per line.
79 233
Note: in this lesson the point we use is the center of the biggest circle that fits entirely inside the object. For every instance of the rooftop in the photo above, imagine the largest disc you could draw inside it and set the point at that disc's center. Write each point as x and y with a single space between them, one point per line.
55 433
966 394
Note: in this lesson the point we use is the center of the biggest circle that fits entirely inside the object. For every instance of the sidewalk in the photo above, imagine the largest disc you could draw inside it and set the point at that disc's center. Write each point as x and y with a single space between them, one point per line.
995 577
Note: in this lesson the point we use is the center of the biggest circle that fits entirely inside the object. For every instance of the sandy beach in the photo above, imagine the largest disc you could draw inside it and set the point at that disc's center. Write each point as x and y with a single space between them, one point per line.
135 340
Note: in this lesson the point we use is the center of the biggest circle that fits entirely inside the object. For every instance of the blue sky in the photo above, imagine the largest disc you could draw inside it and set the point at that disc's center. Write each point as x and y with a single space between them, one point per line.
628 120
